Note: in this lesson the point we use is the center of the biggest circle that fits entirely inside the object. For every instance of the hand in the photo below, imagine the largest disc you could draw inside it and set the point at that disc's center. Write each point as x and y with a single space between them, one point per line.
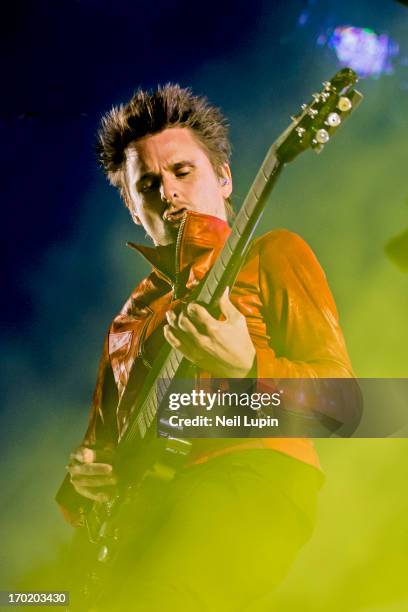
89 477
223 348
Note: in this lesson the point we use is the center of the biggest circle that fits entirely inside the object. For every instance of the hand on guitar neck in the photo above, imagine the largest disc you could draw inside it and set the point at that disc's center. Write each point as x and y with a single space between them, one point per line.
92 474
223 348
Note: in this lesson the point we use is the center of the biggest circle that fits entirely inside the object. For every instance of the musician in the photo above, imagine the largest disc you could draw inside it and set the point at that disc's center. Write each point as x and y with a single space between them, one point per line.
241 509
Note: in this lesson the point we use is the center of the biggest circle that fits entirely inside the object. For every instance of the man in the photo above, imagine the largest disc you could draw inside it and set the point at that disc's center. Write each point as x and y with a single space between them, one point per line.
239 512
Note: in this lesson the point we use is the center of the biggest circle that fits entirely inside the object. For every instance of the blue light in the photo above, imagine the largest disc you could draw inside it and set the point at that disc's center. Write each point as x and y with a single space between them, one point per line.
303 18
366 52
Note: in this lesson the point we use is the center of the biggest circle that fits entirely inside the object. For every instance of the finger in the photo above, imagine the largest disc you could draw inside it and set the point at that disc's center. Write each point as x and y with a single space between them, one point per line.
227 307
171 318
184 346
92 481
177 339
171 338
183 341
90 469
188 327
201 317
83 454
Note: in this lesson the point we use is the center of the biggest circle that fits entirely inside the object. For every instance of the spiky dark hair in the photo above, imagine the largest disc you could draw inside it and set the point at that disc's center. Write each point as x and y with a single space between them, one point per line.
150 112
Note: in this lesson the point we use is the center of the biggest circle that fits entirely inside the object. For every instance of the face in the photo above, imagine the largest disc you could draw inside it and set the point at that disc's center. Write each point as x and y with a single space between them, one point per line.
169 173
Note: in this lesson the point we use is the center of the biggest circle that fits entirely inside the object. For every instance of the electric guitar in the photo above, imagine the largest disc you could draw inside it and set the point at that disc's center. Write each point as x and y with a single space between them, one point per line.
141 457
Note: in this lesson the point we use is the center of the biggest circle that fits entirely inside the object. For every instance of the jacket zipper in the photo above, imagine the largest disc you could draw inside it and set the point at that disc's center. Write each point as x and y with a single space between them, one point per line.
177 266
174 287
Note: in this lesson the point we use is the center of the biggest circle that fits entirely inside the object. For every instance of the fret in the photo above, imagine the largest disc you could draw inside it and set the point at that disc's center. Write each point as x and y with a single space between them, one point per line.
227 247
141 425
206 292
176 358
162 392
269 163
154 400
252 198
147 418
150 411
244 212
215 269
234 241
241 224
166 371
213 283
161 388
148 408
248 208
165 382
169 369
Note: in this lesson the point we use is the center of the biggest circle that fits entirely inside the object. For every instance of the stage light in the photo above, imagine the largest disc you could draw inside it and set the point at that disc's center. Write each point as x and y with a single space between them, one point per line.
366 52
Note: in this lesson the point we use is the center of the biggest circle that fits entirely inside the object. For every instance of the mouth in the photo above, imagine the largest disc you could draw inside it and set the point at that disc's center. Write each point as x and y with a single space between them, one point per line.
174 219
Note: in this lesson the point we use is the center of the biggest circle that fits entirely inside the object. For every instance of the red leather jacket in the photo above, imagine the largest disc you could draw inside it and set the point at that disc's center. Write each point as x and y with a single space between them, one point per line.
281 290
283 293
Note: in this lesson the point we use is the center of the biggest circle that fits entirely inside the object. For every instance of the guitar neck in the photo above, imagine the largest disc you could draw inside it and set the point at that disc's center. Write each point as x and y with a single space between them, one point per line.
232 256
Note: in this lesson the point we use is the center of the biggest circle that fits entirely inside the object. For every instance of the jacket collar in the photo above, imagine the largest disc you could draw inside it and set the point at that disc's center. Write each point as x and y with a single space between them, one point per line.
200 240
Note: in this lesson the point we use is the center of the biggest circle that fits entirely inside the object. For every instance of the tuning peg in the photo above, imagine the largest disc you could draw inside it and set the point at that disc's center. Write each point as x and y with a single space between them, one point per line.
316 97
300 131
316 146
327 85
322 136
303 107
333 120
312 112
344 104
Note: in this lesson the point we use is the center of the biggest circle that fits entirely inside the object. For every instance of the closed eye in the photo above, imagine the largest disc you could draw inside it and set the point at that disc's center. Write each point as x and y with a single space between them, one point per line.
182 169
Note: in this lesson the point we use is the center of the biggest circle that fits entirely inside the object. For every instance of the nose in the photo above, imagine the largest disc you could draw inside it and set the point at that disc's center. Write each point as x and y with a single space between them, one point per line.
170 197
168 191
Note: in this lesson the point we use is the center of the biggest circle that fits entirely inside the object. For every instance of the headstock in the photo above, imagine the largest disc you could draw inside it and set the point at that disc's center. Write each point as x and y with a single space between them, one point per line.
314 126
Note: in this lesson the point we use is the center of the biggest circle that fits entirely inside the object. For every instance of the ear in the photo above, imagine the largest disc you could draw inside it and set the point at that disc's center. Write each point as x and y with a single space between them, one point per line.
135 217
226 181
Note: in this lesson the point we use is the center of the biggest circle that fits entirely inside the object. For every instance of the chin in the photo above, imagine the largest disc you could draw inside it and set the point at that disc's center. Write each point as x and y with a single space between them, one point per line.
170 237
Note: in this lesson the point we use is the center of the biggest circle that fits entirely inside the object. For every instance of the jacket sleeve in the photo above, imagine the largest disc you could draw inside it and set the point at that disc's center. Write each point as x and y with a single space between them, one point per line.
102 428
305 338
101 433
